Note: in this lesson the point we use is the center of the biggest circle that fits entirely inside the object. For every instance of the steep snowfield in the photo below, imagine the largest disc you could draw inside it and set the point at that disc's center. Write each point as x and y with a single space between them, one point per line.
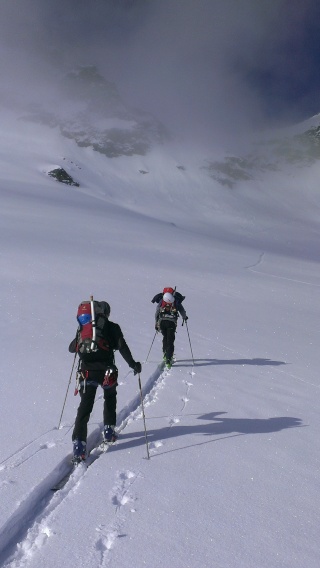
233 478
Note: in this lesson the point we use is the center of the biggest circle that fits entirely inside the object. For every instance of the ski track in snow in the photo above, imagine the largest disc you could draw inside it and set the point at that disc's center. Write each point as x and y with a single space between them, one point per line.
17 458
269 275
28 529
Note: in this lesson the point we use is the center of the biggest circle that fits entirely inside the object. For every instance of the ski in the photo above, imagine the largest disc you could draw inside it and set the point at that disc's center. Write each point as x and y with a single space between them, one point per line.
91 458
104 446
64 480
168 362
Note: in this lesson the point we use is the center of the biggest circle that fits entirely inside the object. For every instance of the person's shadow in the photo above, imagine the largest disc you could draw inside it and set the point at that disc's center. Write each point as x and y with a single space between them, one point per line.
216 428
204 362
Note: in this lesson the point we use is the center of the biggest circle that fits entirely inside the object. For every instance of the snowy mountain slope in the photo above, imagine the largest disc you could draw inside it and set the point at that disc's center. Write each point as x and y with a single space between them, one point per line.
94 115
233 475
286 150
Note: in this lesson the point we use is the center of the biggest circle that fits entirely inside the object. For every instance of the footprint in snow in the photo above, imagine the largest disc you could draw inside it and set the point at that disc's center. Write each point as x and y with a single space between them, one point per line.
120 500
7 482
153 446
174 420
106 540
126 475
120 494
48 445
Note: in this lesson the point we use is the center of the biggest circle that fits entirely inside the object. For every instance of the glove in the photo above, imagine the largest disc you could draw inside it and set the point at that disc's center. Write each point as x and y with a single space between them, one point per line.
185 318
137 368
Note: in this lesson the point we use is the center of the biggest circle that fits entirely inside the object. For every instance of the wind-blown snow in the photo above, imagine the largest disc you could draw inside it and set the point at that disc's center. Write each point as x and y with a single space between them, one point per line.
233 475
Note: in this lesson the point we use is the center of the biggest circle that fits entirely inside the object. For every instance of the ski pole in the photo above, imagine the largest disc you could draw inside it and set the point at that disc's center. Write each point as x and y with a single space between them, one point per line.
65 398
151 346
190 342
144 418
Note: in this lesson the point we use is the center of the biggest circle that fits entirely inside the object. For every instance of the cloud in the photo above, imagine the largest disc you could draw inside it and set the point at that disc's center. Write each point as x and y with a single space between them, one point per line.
213 67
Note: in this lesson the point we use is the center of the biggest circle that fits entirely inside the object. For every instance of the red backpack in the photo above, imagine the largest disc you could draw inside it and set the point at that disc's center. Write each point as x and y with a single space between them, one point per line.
168 290
92 316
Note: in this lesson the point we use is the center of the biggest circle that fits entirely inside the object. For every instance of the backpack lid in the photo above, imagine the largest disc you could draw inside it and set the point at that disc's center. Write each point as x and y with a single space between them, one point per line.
169 290
84 315
102 308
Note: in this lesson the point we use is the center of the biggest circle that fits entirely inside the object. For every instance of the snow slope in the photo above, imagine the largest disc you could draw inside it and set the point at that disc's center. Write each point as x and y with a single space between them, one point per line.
233 477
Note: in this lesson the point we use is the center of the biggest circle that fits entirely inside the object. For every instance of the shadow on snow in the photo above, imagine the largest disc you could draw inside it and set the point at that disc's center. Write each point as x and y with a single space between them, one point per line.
203 362
216 427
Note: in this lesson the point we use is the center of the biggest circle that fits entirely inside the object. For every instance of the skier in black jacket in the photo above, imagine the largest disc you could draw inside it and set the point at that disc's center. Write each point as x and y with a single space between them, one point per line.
169 307
99 370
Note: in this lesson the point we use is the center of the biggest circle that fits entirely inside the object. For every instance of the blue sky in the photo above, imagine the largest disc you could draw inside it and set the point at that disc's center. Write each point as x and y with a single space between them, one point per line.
287 80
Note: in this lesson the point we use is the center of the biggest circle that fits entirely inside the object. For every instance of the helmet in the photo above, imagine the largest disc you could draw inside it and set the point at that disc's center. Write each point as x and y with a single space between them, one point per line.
168 298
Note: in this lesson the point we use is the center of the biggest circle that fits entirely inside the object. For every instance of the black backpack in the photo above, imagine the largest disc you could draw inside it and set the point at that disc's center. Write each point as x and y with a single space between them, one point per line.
178 298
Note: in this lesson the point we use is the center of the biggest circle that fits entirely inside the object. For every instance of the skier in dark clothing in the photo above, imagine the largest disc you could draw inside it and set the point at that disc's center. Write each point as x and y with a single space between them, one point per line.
95 370
167 312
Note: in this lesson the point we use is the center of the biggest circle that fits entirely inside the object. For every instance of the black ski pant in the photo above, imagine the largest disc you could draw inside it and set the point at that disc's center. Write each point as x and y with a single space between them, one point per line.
168 330
85 408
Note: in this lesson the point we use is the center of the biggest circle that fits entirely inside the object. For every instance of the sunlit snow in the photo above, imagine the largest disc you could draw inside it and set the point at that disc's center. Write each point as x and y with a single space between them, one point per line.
233 475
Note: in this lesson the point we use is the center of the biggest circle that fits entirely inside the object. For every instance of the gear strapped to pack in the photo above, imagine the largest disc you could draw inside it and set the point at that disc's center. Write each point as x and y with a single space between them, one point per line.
110 378
168 311
83 378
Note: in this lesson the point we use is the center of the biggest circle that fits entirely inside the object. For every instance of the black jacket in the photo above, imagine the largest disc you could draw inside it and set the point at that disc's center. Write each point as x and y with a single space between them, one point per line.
102 359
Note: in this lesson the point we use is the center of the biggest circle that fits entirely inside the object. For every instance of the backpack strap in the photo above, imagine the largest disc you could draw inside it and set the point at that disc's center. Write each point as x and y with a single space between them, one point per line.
178 297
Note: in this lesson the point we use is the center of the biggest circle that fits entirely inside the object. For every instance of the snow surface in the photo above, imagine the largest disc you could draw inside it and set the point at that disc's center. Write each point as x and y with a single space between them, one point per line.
233 475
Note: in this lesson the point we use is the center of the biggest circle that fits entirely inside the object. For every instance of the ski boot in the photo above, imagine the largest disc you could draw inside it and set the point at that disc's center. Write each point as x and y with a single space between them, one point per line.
109 435
79 451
